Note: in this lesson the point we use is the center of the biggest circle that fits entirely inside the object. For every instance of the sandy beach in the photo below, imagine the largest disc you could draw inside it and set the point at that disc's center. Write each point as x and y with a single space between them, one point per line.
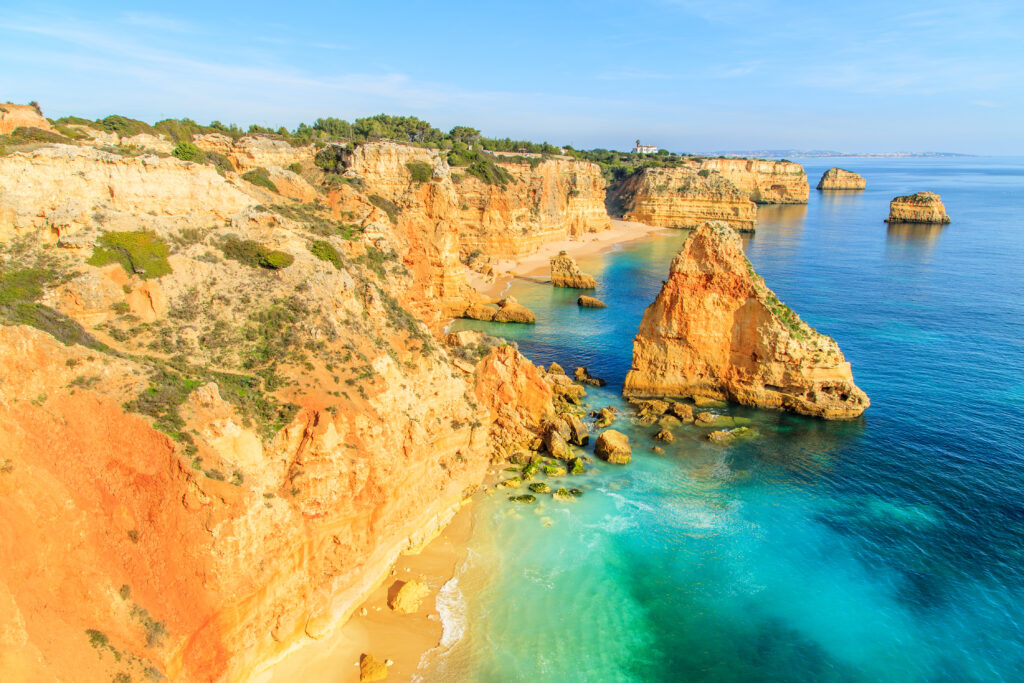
536 264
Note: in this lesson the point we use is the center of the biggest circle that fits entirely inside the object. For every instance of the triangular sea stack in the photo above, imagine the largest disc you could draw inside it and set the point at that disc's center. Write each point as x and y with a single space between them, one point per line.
716 330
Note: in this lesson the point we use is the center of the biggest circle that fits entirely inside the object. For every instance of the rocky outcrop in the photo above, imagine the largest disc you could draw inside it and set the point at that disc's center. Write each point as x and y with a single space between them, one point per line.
764 182
685 198
511 311
922 207
590 302
371 668
613 446
566 273
841 179
716 330
21 116
404 597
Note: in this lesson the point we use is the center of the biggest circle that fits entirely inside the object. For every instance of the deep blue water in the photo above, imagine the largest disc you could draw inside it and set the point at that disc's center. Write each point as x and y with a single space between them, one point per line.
885 548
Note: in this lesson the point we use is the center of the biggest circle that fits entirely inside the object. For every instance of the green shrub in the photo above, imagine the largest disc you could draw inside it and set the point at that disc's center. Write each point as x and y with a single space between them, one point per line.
704 173
125 126
295 168
187 151
140 253
33 134
260 176
325 251
388 207
19 291
218 161
254 254
329 159
420 171
489 172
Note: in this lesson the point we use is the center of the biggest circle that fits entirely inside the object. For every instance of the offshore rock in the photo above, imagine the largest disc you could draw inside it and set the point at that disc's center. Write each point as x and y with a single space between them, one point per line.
566 273
590 302
716 330
511 311
583 376
685 198
923 207
841 179
613 446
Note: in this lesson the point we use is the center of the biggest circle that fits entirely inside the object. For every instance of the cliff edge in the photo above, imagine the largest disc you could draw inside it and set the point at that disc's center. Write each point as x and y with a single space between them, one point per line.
716 330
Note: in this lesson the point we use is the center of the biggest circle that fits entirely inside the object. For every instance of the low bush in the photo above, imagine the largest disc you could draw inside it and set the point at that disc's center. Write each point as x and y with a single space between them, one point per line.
295 168
489 172
33 134
325 251
187 151
140 253
388 207
420 171
254 254
260 176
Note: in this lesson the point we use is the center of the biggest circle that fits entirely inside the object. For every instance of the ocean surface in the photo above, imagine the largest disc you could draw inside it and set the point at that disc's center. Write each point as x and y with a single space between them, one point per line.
888 548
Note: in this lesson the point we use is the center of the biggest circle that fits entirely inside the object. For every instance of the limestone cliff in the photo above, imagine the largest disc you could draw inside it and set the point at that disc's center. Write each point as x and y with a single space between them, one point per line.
685 198
764 182
716 330
841 179
223 413
922 207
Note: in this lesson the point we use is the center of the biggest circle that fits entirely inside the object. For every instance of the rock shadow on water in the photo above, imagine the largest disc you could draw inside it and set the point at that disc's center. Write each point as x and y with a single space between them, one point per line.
912 239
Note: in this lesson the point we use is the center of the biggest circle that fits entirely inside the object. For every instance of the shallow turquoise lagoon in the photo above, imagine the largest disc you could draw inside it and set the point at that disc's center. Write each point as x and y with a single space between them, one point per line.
889 548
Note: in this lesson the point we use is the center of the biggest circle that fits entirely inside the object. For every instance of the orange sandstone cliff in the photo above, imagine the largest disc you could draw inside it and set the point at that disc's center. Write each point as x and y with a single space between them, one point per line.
224 408
764 182
716 330
685 198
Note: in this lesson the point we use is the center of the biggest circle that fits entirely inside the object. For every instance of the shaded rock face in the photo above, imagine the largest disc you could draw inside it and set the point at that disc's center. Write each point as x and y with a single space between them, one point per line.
922 207
763 182
565 273
716 330
841 179
685 198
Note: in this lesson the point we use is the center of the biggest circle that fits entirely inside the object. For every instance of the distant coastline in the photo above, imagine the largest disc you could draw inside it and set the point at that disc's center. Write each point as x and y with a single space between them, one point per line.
827 153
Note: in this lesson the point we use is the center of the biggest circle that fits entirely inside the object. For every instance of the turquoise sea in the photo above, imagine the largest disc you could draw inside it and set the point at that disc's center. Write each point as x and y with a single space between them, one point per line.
889 548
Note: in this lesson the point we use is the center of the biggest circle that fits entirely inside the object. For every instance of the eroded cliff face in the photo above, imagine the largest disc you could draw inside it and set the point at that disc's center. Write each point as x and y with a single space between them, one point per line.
716 330
21 116
207 461
764 182
686 198
841 179
922 207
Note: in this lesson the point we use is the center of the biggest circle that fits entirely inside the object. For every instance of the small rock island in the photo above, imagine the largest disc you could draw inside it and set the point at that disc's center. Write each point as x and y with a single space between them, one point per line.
922 207
841 179
566 273
717 331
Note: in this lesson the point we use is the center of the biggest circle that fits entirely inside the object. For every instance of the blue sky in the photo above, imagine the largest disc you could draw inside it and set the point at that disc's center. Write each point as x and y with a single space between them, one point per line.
687 75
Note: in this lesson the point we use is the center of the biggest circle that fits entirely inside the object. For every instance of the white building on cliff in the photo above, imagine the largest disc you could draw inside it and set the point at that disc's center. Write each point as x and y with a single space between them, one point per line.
644 149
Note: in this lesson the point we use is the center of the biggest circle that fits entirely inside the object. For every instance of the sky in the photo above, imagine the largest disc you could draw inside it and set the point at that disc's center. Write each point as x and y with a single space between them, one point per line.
685 75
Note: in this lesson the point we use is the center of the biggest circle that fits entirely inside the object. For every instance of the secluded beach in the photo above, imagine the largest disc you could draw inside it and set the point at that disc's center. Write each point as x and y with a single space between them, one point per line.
536 263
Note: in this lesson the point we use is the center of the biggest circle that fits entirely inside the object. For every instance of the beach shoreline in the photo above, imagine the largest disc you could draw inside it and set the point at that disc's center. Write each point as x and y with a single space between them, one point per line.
537 264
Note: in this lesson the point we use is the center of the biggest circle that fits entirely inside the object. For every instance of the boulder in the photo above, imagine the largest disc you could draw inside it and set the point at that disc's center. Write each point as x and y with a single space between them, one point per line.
613 446
557 445
554 471
404 597
665 435
579 435
923 207
576 466
371 669
583 375
590 302
565 273
511 311
683 411
540 487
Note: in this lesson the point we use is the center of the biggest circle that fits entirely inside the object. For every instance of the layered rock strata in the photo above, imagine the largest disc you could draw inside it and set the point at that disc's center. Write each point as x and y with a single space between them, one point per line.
764 182
685 198
841 179
716 330
566 273
922 207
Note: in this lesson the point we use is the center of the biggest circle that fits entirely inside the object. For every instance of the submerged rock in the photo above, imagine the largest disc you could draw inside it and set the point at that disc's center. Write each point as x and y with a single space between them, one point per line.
613 446
841 179
526 498
605 417
565 273
923 207
554 470
540 487
728 436
564 495
717 330
513 483
590 302
583 375
576 466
